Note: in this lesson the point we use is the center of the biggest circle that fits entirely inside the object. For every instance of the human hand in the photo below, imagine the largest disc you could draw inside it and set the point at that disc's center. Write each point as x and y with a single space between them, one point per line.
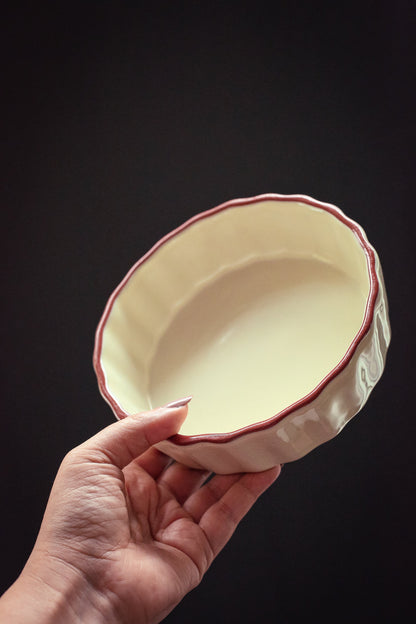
125 535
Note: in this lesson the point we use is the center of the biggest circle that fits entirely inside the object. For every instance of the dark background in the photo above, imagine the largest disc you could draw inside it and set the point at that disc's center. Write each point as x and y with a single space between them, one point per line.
121 122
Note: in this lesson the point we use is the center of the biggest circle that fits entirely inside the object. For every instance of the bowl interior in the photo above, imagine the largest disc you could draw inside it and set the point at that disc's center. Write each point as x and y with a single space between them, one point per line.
248 309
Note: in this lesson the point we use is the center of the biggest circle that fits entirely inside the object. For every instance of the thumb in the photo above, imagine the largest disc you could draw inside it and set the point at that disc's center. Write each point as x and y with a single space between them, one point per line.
126 439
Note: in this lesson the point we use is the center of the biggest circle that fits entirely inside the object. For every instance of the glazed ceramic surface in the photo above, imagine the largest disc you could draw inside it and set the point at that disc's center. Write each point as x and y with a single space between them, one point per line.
270 311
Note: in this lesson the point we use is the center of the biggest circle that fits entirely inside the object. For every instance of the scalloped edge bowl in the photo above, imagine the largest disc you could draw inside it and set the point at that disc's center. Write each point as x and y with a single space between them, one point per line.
197 256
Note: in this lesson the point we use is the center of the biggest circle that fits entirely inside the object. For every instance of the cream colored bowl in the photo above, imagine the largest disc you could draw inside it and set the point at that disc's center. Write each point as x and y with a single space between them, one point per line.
271 311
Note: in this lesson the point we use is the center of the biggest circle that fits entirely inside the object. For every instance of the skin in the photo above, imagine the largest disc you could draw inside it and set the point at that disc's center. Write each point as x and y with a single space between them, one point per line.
127 533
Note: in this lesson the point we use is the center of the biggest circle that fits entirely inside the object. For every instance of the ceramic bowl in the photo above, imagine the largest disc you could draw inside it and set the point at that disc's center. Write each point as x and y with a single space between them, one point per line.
270 311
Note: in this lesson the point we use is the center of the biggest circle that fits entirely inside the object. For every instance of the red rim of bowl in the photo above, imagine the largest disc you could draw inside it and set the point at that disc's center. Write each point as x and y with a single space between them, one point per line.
184 440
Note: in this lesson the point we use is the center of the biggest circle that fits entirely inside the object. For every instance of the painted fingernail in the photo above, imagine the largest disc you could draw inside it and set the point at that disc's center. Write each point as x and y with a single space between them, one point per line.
179 402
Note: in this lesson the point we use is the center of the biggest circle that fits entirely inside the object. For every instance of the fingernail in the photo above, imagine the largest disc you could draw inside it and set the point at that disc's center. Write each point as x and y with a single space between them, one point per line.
179 402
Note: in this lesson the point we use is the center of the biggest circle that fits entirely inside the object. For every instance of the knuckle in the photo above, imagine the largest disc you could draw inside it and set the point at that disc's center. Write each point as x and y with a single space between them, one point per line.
227 512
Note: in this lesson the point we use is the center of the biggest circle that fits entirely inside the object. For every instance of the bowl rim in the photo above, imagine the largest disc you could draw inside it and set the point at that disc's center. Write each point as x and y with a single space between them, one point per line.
220 438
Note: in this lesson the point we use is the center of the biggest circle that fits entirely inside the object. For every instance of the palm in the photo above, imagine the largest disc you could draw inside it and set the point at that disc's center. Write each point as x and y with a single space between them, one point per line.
160 545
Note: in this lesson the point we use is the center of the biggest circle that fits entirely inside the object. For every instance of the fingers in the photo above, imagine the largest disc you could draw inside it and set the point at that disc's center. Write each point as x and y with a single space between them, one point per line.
221 518
126 439
152 461
200 501
181 481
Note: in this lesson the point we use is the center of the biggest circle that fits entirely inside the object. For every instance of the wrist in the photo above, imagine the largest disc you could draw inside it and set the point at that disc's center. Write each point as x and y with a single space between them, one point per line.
52 593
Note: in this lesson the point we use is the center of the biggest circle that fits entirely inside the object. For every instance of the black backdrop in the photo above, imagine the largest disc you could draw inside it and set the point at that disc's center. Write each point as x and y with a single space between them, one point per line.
120 123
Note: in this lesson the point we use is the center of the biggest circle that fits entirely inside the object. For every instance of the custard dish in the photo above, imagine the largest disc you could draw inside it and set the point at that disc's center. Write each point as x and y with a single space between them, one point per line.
270 311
